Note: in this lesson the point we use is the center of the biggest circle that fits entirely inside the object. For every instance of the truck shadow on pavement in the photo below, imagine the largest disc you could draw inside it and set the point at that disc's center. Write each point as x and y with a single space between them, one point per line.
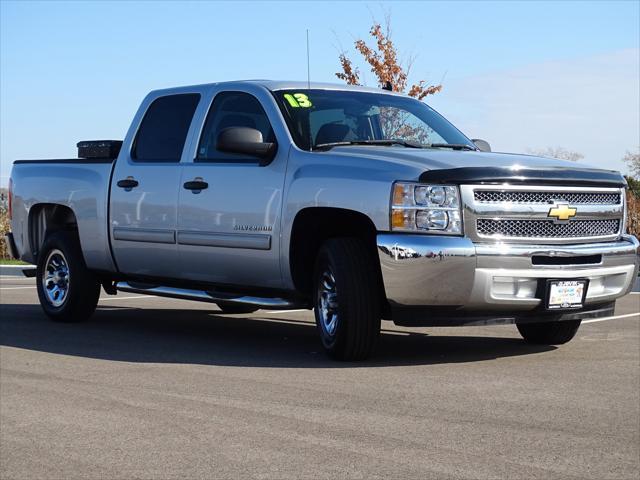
207 338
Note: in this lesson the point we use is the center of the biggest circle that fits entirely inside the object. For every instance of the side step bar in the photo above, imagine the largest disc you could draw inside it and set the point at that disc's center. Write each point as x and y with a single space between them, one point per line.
205 296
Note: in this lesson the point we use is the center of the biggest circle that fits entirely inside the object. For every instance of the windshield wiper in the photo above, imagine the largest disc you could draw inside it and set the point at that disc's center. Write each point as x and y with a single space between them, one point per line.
387 142
454 146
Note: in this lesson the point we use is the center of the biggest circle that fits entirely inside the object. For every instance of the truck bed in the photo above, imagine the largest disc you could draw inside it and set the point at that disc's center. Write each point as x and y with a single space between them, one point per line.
77 183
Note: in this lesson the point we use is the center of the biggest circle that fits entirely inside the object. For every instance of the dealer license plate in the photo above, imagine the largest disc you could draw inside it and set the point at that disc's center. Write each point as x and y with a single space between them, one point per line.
566 294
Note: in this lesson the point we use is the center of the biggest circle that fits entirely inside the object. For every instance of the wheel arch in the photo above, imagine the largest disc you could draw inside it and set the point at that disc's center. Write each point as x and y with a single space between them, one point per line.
312 226
46 218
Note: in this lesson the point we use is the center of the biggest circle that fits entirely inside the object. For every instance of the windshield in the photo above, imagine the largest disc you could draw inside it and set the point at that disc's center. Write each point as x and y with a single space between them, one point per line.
326 117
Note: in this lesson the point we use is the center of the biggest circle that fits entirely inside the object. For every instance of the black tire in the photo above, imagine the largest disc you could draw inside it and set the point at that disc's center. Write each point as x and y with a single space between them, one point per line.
354 298
236 308
80 297
549 333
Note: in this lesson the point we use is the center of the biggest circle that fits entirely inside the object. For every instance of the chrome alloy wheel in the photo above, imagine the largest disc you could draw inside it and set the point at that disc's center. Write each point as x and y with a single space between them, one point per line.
327 303
55 278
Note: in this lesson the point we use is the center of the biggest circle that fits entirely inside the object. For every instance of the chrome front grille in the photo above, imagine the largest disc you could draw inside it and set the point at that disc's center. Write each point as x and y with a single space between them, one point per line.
529 213
547 228
574 198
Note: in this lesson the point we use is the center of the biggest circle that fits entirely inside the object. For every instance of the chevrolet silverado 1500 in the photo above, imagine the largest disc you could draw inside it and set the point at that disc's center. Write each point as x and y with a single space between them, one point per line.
362 204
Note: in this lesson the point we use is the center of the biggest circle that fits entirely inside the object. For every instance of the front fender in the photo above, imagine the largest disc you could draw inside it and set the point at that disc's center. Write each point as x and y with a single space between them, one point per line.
323 180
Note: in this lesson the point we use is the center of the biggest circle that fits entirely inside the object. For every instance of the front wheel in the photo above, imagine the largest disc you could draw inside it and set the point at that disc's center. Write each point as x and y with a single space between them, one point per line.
549 333
346 299
67 290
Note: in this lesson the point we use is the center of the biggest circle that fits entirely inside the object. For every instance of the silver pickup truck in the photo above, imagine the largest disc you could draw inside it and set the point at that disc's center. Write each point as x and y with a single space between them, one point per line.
360 203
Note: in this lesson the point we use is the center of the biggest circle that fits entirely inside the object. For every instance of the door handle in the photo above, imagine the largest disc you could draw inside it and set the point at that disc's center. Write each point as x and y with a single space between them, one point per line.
128 183
196 185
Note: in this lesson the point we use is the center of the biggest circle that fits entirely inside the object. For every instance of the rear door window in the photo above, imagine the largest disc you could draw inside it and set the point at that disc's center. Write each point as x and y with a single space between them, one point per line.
163 131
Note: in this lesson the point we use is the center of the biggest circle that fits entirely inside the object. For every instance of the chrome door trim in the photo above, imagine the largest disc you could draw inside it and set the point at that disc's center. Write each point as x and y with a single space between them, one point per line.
225 240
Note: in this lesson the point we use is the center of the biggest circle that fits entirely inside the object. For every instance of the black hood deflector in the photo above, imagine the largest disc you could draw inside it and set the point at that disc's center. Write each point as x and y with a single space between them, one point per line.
566 176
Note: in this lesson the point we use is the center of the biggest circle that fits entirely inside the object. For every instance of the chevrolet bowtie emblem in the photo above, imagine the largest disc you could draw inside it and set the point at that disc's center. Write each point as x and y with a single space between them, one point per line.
562 212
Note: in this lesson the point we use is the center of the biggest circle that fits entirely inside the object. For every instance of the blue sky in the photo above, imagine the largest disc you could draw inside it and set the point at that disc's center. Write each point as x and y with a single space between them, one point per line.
519 74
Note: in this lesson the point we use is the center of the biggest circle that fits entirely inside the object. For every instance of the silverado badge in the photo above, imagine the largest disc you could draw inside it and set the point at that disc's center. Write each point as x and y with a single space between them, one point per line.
562 212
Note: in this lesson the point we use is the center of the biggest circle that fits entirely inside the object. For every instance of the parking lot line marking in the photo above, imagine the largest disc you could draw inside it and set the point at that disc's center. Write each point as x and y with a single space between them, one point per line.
288 311
114 309
604 319
281 320
114 298
142 297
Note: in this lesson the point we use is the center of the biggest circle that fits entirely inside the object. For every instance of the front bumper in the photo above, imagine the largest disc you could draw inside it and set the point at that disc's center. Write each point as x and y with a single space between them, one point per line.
452 274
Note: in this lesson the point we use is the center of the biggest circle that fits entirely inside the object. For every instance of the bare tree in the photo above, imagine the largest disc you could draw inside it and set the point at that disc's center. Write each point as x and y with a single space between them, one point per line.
557 152
632 159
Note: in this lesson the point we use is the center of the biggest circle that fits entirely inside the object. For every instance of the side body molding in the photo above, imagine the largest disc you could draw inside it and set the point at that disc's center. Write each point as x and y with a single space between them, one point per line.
226 240
144 235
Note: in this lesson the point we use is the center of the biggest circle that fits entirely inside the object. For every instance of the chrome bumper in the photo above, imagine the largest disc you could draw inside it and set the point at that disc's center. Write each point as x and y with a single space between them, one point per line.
455 273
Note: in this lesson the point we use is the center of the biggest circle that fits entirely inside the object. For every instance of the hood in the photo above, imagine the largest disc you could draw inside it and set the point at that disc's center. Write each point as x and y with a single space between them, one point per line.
440 158
484 167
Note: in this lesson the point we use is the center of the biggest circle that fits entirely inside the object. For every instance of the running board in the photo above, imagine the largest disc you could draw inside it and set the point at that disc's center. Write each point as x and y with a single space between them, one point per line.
205 296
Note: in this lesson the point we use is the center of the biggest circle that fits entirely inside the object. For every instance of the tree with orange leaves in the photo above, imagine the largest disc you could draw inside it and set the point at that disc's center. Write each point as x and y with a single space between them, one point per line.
385 65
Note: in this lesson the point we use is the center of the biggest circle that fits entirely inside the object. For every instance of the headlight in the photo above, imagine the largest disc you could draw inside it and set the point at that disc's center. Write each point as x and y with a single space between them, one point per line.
426 208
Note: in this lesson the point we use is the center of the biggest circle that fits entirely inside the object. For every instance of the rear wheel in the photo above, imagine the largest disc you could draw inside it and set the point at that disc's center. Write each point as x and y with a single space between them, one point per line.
230 307
549 333
347 306
67 290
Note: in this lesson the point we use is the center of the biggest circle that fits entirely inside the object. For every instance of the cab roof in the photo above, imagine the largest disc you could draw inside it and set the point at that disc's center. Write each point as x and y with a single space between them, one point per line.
275 85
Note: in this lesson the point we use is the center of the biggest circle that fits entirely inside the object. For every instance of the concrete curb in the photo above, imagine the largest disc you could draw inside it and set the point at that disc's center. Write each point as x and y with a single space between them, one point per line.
14 270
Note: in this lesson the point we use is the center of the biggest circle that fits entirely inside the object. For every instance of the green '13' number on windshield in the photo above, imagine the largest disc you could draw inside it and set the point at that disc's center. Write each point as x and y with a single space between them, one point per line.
298 100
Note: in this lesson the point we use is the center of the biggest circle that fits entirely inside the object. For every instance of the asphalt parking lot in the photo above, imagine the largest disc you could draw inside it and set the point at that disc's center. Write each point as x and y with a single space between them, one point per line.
155 388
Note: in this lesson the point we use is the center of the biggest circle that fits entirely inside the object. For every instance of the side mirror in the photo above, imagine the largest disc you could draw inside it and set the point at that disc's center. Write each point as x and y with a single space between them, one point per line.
481 144
247 141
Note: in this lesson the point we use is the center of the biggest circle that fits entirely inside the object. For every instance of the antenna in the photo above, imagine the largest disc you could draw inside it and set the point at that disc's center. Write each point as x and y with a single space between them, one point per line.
309 88
308 64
